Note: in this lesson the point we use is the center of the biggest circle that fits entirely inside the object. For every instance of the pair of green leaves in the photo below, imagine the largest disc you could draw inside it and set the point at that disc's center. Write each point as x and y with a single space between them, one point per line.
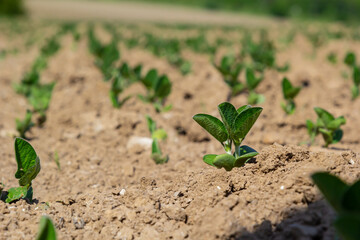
156 135
235 125
252 82
327 125
289 93
28 168
47 229
345 199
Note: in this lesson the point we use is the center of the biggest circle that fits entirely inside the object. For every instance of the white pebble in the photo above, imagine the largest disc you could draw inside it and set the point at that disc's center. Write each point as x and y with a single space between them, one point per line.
351 161
282 187
23 209
218 187
122 192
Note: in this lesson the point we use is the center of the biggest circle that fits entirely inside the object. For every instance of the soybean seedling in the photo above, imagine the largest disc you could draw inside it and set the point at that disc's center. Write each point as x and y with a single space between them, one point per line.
289 93
23 126
47 229
235 125
158 89
345 200
156 135
327 125
350 59
117 87
230 69
252 82
28 168
355 90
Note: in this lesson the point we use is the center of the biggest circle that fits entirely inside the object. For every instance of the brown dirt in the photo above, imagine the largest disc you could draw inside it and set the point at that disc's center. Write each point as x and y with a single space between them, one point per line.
270 198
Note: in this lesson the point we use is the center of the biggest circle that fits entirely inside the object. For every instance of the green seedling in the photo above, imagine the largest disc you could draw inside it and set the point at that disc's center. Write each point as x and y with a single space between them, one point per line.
156 135
47 229
289 93
109 55
230 68
57 160
355 90
327 125
235 125
51 47
345 199
23 126
332 58
350 59
252 82
28 168
39 98
117 87
158 89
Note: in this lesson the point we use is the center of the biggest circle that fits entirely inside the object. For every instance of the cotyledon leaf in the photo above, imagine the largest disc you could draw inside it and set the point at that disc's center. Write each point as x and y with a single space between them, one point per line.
16 193
209 159
213 125
25 156
224 160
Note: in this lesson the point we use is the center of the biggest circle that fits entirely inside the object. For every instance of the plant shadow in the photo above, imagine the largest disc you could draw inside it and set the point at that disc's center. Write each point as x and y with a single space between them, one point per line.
313 222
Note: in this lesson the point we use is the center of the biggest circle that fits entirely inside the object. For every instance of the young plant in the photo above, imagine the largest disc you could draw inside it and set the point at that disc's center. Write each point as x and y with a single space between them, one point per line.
355 90
350 59
289 92
230 69
117 87
47 229
252 82
39 98
345 199
158 89
23 126
156 135
327 125
332 58
235 125
28 168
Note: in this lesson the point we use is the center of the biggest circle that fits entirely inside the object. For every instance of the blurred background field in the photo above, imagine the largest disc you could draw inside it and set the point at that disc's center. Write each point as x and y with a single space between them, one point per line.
335 10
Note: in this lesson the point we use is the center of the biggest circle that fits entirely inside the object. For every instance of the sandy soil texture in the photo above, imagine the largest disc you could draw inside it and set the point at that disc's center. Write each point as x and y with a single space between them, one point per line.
110 188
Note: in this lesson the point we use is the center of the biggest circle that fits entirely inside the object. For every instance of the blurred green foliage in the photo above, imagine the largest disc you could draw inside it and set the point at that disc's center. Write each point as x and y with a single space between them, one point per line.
342 10
11 7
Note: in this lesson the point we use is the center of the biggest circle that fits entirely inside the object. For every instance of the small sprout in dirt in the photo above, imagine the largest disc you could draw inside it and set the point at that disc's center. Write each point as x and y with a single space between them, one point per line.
345 199
23 126
28 168
252 82
355 90
350 59
327 125
232 130
332 58
289 92
47 229
230 68
156 135
117 87
39 98
158 89
57 160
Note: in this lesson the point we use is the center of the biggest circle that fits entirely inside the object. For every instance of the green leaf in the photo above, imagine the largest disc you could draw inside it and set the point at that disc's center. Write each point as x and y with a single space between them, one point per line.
244 121
289 91
348 226
155 147
151 124
213 126
16 193
150 79
159 159
26 158
224 160
47 229
251 80
30 174
355 92
324 115
351 198
356 76
209 159
243 108
331 187
162 87
246 153
159 134
228 114
336 123
350 59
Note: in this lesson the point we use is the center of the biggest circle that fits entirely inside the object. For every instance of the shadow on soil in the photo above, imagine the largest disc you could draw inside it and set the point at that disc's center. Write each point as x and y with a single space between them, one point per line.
313 222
